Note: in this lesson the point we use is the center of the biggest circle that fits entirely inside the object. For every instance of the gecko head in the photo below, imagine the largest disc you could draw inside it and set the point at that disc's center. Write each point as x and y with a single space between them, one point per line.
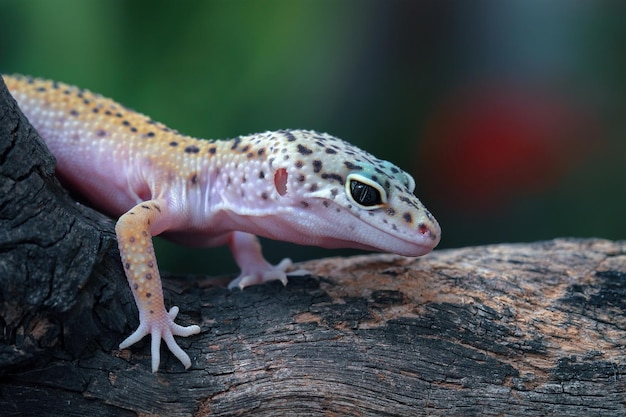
337 195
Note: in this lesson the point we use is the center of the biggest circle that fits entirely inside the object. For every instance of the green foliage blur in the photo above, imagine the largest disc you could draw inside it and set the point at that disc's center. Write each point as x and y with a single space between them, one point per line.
508 114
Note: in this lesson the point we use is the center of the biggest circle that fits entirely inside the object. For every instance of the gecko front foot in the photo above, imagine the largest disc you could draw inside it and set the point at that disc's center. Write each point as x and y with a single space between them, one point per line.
162 327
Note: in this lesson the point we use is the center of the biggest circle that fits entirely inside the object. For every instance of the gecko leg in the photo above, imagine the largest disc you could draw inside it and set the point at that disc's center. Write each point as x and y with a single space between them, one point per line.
134 232
246 250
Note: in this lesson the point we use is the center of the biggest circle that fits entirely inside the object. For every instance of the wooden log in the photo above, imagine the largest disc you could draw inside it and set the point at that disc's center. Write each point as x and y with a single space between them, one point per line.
518 329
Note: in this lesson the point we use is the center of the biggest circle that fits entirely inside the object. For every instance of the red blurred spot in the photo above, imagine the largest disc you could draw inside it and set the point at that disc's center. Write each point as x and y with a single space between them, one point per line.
488 147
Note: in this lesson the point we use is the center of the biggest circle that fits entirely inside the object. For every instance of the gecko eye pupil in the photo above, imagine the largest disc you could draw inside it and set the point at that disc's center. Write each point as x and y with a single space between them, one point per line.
365 194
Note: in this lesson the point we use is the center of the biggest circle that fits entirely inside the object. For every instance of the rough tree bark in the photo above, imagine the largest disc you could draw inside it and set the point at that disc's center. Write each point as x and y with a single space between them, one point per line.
522 330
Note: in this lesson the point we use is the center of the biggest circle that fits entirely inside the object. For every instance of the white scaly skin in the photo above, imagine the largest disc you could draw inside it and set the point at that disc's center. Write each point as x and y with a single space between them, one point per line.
294 185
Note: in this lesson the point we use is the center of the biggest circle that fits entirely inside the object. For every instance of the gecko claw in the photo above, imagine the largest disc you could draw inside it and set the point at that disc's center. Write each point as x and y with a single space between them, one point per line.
262 273
162 327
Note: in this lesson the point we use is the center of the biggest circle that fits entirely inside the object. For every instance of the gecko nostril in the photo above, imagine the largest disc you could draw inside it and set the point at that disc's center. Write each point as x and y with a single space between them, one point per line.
423 229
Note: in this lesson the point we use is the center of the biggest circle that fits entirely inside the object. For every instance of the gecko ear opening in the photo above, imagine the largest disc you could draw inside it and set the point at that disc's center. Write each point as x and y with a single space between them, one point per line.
280 181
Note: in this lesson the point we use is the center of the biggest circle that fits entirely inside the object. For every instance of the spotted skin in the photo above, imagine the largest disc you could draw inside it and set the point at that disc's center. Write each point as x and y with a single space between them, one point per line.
293 185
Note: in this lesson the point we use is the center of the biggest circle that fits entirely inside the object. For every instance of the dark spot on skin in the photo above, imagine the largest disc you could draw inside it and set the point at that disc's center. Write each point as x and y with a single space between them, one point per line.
317 166
118 114
101 133
407 217
173 143
380 171
150 134
108 112
194 179
148 276
304 204
301 178
375 178
334 192
261 151
131 239
135 286
394 227
290 137
333 176
261 175
150 264
146 207
126 123
264 196
303 150
409 202
337 210
212 151
325 203
192 149
299 164
144 233
390 212
245 149
249 155
133 129
395 170
387 184
126 265
330 151
95 110
156 206
352 166
74 113
85 101
285 157
41 89
271 162
66 92
236 143
148 295
313 187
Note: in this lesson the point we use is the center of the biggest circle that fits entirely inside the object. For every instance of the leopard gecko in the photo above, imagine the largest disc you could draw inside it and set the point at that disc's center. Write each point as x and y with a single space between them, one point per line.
299 186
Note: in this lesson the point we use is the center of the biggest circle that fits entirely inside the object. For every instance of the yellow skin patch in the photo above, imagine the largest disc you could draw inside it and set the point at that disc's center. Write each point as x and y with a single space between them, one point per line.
299 186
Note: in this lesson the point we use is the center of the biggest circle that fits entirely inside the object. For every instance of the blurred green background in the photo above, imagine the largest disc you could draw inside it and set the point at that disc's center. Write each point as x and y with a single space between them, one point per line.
509 114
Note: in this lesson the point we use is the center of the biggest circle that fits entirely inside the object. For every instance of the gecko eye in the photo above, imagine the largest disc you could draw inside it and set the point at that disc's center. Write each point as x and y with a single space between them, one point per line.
365 192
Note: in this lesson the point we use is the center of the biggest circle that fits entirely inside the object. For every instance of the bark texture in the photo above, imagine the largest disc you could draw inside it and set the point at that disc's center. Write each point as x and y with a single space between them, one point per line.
519 329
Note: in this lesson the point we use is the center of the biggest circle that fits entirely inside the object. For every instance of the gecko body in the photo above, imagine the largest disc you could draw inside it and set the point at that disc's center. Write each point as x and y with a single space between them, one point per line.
294 185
